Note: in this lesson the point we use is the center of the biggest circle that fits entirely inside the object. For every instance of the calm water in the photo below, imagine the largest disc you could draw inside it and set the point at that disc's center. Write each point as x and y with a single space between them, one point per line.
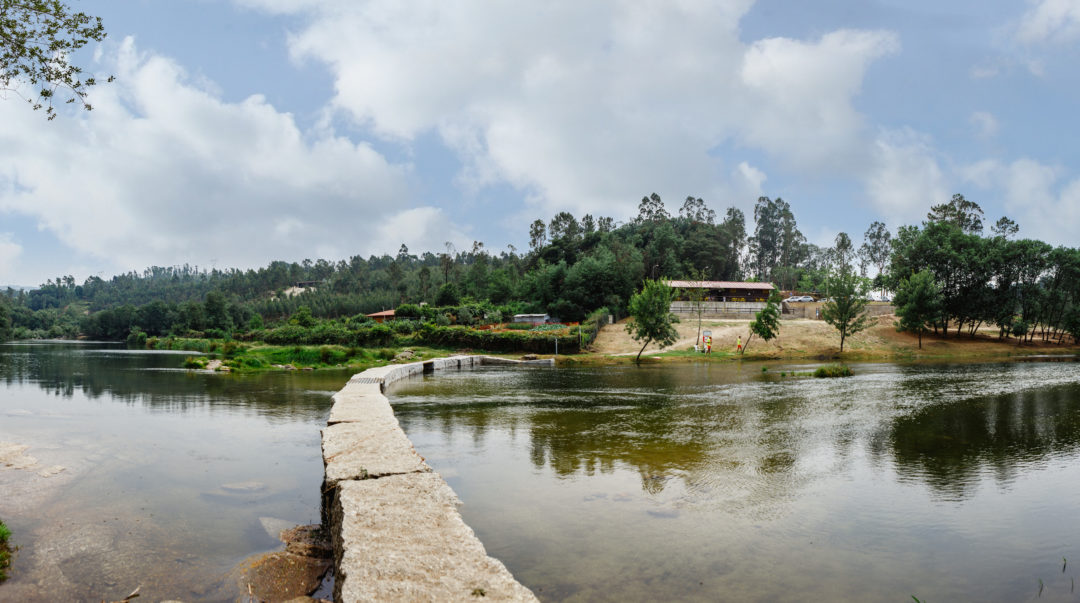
948 482
170 475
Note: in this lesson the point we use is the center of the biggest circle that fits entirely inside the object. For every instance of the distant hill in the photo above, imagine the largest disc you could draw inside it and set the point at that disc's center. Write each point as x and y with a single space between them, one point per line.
16 287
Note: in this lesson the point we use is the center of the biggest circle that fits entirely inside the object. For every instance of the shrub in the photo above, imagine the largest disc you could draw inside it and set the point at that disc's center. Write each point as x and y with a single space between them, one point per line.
195 362
832 370
136 338
407 311
230 349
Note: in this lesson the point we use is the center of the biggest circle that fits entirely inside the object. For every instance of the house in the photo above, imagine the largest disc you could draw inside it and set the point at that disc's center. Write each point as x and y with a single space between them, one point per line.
383 316
723 291
721 299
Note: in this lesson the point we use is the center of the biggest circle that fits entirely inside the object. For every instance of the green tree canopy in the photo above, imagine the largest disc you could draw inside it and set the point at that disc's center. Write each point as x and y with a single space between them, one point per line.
846 309
766 323
918 303
37 38
653 320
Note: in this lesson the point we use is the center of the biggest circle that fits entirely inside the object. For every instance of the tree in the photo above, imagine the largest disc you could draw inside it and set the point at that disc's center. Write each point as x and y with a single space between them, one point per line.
37 38
918 303
877 242
965 215
846 309
448 295
696 296
651 209
1005 227
537 234
653 320
766 323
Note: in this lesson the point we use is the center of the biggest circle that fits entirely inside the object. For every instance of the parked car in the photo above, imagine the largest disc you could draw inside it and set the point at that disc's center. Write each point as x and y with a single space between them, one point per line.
799 298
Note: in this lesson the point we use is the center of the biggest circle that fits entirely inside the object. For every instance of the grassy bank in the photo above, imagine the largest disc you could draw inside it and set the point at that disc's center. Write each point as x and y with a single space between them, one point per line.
251 357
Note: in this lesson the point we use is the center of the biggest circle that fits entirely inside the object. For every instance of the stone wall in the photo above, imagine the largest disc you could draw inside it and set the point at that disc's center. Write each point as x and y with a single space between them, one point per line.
396 531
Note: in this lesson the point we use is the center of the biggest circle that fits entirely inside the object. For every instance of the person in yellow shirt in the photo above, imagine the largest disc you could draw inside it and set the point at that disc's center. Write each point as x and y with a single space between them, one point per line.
738 344
708 344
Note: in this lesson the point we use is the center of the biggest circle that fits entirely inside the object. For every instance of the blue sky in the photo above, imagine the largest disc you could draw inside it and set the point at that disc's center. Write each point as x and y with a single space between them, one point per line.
238 132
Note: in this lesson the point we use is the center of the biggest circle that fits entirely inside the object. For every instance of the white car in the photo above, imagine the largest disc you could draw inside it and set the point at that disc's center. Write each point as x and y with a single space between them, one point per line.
799 298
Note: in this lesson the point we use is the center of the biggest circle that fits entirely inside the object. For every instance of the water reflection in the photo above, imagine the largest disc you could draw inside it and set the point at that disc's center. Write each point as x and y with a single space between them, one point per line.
951 446
158 381
696 483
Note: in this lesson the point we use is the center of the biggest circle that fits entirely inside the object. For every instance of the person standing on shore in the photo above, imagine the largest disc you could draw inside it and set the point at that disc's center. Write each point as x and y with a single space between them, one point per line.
738 344
708 345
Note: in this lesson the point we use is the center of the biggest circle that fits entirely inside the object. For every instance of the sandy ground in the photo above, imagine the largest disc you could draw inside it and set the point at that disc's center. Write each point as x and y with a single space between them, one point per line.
813 338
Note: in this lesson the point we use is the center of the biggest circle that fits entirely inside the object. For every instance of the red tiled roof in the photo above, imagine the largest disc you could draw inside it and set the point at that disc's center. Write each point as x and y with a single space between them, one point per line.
383 314
718 285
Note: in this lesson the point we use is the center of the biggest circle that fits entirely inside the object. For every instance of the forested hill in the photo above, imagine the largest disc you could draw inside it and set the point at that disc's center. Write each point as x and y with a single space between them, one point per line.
574 266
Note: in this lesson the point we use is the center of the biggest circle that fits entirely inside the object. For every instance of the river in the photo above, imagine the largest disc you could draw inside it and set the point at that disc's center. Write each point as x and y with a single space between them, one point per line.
170 477
947 482
701 482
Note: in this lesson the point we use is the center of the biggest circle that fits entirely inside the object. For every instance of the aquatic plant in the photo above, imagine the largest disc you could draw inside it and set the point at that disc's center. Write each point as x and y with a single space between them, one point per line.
833 370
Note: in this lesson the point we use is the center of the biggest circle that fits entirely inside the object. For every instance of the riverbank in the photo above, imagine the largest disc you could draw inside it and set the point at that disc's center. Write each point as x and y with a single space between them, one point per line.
807 339
798 339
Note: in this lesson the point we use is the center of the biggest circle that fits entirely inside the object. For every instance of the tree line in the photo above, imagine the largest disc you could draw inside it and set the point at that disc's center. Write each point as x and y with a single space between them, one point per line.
574 267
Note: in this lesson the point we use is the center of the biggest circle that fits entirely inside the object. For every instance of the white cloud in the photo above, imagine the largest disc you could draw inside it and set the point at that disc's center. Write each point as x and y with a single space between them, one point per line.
906 178
588 105
163 171
801 94
1050 21
984 124
9 254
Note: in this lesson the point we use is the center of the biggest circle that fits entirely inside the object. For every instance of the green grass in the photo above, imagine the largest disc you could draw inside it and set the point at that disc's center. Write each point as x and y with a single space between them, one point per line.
5 551
252 357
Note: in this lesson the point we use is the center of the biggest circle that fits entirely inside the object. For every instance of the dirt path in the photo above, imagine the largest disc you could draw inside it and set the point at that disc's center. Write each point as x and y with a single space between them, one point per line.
813 338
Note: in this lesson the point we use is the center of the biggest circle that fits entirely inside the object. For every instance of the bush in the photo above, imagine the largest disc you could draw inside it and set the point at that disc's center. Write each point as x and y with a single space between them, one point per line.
407 311
405 327
136 338
288 334
378 334
832 370
512 341
230 349
195 362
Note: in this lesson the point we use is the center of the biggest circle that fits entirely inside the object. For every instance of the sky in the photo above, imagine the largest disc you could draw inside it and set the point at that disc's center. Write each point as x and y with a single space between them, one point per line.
243 131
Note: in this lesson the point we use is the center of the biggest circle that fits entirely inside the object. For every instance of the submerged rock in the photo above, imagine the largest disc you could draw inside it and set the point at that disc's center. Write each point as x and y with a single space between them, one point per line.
289 575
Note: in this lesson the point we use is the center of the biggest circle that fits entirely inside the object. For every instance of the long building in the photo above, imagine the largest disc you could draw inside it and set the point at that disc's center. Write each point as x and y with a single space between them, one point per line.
722 299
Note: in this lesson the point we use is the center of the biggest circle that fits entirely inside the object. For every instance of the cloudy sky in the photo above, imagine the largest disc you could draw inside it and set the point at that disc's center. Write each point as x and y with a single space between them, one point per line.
243 131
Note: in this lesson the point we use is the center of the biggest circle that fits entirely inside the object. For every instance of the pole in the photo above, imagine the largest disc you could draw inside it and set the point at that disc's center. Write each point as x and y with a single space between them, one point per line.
556 346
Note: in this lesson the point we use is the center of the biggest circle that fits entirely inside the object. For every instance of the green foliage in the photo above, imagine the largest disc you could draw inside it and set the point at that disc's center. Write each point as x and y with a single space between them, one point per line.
497 341
5 551
846 311
136 338
766 323
448 295
195 362
918 303
302 317
407 311
832 370
653 320
37 37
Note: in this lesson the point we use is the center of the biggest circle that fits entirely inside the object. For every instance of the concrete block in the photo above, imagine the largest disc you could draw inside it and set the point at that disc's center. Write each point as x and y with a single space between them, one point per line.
367 449
352 407
400 538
